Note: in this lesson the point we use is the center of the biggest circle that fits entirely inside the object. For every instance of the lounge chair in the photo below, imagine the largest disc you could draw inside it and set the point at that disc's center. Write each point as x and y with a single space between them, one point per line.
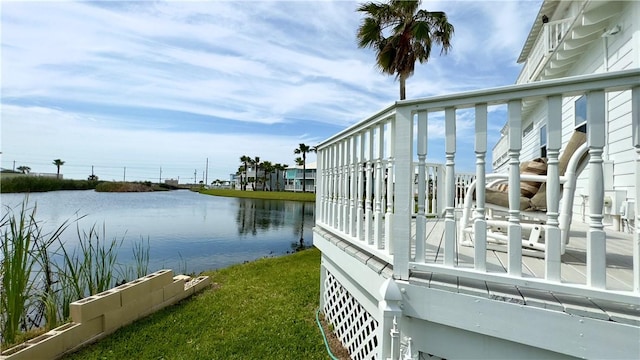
533 199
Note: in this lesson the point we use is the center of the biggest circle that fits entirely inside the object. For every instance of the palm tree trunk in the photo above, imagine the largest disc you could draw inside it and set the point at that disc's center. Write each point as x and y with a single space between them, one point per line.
403 88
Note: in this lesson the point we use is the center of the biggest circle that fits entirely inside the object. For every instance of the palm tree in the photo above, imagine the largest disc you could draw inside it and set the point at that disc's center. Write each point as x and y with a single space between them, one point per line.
24 169
245 160
303 150
268 168
58 163
279 168
412 32
255 162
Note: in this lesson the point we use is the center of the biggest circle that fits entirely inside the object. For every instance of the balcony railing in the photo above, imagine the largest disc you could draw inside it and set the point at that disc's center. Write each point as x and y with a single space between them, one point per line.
550 37
371 173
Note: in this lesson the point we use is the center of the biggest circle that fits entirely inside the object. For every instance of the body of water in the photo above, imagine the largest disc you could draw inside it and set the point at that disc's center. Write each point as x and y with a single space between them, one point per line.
187 231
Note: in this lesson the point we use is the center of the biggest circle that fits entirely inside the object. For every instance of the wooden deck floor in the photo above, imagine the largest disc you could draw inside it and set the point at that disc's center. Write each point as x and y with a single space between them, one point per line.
619 275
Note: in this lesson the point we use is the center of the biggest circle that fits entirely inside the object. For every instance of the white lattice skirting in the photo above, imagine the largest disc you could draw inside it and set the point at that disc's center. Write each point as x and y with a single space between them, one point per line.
353 325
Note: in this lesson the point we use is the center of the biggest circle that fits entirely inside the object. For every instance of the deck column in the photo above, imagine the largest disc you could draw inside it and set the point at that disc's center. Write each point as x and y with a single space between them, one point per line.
449 217
479 223
635 123
390 311
401 233
596 238
553 234
420 217
514 229
388 224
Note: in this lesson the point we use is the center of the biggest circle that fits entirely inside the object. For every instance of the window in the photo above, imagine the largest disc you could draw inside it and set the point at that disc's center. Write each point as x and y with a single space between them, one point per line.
581 114
543 141
527 130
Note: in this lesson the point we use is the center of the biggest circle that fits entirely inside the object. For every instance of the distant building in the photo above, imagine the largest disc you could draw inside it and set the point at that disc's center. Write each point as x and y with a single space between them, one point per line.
293 180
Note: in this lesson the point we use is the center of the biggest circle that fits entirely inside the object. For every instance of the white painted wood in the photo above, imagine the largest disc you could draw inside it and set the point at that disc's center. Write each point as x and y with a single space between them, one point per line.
635 123
340 220
514 230
422 154
552 230
450 151
402 151
378 193
368 199
479 223
353 190
388 226
596 238
360 194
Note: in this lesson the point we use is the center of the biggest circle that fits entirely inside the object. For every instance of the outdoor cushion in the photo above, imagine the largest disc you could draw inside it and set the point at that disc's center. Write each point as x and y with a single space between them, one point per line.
533 167
501 198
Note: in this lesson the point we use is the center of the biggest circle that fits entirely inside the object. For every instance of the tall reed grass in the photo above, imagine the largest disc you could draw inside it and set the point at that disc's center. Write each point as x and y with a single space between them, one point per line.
41 275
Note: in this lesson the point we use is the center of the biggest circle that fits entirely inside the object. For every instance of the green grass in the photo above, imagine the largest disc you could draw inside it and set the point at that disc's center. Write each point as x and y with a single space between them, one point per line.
258 310
269 195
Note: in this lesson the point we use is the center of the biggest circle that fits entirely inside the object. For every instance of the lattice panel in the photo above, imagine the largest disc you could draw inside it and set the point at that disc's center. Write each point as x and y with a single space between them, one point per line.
353 325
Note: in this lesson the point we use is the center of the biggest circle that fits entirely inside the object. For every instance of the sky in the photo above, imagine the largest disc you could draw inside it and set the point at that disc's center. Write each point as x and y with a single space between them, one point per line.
155 90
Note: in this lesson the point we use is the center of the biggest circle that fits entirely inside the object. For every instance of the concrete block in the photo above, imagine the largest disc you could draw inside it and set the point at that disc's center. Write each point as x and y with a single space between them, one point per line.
113 320
200 283
157 297
18 352
93 306
136 309
45 346
160 278
136 289
174 289
69 334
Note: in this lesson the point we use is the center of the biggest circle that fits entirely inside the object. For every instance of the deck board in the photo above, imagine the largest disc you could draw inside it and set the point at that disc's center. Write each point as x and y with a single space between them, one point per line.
573 270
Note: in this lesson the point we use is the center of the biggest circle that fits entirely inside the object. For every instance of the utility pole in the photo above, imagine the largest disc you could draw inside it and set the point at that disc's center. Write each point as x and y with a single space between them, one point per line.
124 176
206 178
160 178
195 176
14 165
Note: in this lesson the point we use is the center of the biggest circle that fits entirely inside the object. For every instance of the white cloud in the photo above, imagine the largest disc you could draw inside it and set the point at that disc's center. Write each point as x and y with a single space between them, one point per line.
231 77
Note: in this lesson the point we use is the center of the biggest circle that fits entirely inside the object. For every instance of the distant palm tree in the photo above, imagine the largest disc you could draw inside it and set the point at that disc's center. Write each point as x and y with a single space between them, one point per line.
412 32
93 177
245 160
268 168
279 168
24 169
255 162
304 150
58 163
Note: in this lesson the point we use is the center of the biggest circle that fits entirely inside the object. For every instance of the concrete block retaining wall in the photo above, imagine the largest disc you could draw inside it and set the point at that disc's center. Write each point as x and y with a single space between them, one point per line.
99 315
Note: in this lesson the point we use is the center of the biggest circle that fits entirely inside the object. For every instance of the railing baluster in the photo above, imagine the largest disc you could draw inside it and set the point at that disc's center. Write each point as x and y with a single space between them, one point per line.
353 192
344 187
635 124
334 190
514 229
449 218
368 201
552 231
388 219
361 170
596 237
479 223
421 219
379 181
339 181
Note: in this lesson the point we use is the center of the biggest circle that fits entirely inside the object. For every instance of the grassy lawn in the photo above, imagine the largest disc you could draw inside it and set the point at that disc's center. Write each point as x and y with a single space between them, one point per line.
270 195
259 310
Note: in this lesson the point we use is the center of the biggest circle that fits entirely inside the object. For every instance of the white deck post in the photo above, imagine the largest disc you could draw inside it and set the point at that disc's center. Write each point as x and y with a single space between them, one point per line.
339 181
401 234
353 192
320 196
421 219
449 218
635 123
368 201
596 238
344 187
379 182
389 310
514 229
480 224
388 219
361 169
330 175
554 142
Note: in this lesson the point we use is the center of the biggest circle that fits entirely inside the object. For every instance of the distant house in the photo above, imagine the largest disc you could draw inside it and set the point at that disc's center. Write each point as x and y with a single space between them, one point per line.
294 178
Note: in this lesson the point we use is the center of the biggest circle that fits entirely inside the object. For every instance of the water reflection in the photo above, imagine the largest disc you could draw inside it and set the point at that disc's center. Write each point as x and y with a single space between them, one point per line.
188 232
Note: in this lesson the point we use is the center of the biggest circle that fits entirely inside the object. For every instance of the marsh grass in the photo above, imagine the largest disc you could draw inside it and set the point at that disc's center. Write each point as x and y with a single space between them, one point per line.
40 277
28 184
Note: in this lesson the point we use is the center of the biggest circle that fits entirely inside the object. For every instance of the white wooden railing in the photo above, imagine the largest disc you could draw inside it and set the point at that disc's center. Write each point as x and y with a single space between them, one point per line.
367 182
550 37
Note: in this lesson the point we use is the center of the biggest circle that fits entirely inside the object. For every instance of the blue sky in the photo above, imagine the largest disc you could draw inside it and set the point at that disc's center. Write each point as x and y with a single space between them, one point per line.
148 85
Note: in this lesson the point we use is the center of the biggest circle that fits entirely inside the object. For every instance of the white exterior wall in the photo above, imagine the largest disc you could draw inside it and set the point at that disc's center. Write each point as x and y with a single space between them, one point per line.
623 52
